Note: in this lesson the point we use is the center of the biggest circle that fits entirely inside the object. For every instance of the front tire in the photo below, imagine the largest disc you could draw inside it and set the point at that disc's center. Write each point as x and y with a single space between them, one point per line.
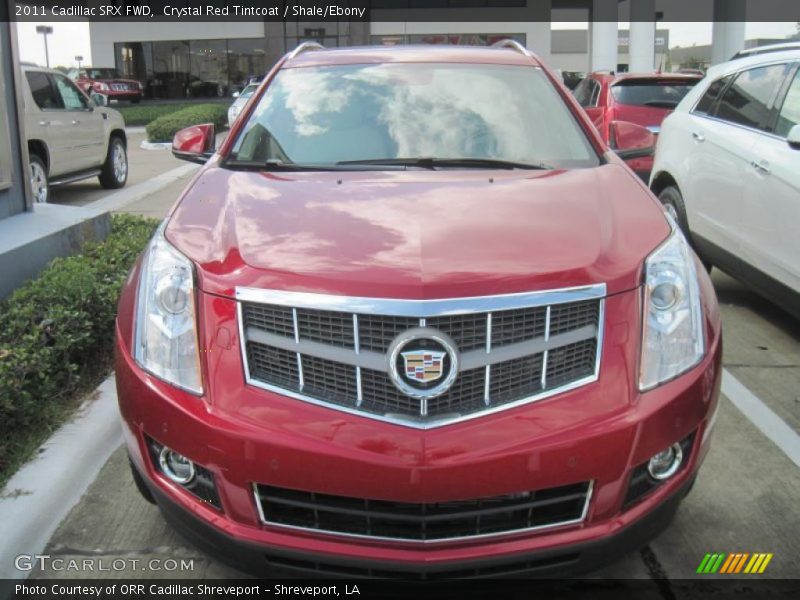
40 186
140 484
115 169
672 200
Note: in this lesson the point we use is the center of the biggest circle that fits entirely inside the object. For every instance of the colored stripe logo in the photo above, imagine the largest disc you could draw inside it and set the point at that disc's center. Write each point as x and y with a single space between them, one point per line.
736 562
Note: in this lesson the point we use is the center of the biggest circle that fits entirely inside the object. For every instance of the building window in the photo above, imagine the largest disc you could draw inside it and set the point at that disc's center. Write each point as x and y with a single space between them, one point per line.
453 39
192 69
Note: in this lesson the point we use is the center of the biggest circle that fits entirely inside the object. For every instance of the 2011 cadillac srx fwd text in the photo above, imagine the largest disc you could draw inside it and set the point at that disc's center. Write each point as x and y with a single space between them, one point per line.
414 318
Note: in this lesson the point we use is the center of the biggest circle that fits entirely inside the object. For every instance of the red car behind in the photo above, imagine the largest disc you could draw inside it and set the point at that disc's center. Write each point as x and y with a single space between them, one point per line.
641 98
106 81
414 318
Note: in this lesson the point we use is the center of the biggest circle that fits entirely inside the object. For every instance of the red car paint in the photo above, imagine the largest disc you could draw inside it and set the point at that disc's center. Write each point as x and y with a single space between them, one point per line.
606 108
116 88
481 234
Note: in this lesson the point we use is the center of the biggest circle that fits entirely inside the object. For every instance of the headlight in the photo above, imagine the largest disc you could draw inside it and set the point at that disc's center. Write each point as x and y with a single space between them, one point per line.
233 112
166 324
672 340
102 86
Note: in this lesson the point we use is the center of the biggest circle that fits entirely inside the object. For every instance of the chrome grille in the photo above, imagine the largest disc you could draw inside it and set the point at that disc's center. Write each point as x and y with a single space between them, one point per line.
423 522
512 349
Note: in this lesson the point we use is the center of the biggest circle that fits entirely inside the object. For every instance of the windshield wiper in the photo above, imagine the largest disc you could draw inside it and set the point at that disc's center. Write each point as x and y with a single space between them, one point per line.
275 164
428 162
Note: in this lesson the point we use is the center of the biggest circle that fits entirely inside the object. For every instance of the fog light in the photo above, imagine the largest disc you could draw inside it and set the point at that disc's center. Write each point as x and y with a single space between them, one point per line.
176 466
664 464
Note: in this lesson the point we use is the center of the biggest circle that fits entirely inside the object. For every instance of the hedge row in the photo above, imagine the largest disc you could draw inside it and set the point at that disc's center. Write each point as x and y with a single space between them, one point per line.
142 114
56 337
165 127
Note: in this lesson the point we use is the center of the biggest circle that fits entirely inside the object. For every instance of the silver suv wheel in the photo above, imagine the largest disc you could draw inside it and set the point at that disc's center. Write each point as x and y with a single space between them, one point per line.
39 186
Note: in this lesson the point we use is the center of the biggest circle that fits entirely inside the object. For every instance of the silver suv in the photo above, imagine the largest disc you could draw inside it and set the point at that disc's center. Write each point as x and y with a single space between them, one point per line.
69 137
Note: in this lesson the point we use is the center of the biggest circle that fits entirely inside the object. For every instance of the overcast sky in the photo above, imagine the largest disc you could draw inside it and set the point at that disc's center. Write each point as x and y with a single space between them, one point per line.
71 39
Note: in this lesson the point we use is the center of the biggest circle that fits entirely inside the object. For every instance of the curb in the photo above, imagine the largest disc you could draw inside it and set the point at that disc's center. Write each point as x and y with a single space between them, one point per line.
145 145
38 497
125 196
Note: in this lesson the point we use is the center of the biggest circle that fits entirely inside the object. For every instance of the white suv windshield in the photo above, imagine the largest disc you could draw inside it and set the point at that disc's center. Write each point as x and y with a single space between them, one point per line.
366 112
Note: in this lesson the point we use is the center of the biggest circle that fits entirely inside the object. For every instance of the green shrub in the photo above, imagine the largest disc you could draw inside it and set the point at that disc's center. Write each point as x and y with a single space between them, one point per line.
56 336
142 114
165 127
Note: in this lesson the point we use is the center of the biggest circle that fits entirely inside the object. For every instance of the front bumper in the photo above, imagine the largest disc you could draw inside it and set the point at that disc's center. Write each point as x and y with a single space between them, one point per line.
243 435
258 559
123 94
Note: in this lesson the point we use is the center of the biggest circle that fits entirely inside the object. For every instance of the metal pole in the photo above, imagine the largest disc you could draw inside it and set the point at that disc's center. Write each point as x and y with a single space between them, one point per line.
46 53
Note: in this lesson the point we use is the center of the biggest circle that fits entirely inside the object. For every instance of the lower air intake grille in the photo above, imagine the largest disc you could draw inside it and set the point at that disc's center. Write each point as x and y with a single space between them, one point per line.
423 522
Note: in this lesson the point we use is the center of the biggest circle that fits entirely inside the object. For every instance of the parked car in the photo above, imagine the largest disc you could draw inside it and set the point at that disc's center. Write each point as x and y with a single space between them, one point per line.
241 99
728 170
201 88
429 325
641 98
107 82
69 137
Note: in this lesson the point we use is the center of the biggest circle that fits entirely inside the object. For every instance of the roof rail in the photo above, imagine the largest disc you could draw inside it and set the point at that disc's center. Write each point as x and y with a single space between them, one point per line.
512 45
756 50
305 47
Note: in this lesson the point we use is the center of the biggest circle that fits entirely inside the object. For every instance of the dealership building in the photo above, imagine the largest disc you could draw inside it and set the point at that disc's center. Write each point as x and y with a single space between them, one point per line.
205 59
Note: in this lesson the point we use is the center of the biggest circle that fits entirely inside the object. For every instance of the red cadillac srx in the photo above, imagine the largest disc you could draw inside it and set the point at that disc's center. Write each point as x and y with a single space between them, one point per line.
414 318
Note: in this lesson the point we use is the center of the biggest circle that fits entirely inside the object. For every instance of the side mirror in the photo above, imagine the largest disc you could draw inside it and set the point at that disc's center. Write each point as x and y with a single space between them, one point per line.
793 139
195 143
630 140
99 99
235 94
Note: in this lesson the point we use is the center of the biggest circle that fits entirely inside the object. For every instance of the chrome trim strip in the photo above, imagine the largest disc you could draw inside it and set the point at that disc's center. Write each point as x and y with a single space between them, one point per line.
478 358
546 339
480 536
359 393
486 385
375 360
488 332
357 348
420 308
300 382
601 314
407 421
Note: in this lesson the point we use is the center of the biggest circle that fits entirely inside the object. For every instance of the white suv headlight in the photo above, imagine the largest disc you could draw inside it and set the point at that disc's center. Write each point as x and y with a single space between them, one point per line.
672 339
165 342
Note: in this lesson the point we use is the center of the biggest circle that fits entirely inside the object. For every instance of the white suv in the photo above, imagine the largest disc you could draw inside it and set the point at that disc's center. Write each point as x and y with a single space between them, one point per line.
69 138
727 167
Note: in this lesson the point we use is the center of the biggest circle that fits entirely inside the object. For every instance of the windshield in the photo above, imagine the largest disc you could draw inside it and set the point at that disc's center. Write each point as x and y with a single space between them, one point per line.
651 92
101 73
360 113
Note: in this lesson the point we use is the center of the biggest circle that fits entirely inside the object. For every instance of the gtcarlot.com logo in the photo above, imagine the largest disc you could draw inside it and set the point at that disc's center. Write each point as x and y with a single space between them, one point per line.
29 562
736 562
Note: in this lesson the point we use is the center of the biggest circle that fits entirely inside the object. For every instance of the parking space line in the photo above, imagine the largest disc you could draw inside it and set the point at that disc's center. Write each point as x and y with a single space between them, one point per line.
762 416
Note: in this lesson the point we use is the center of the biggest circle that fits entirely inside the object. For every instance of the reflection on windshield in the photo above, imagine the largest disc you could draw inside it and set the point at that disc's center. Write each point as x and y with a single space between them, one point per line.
334 114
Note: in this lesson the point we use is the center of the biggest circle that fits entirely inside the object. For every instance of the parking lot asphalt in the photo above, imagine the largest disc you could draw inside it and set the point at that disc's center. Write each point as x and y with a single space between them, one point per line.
744 500
142 165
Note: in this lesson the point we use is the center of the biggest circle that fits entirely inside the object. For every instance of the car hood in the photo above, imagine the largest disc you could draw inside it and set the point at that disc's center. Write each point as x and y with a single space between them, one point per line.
417 234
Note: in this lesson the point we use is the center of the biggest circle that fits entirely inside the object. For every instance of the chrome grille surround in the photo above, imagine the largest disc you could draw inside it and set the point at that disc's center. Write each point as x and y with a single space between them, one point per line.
577 351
